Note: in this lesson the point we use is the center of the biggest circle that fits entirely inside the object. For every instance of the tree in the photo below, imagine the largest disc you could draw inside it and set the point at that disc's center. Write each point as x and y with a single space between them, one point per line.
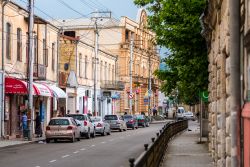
177 27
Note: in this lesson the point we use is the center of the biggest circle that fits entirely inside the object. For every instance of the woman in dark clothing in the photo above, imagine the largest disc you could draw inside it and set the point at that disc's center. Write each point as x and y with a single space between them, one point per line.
38 127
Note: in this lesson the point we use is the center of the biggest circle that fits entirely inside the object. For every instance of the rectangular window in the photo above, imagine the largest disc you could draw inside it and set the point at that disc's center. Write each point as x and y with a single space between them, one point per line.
80 65
86 66
93 68
35 50
53 56
19 44
45 53
113 73
8 41
101 71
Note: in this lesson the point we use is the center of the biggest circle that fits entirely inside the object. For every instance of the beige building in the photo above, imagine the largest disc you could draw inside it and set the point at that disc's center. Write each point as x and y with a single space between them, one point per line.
15 65
76 76
114 37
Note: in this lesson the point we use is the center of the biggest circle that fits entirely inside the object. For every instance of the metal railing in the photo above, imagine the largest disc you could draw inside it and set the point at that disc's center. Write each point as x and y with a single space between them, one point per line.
153 154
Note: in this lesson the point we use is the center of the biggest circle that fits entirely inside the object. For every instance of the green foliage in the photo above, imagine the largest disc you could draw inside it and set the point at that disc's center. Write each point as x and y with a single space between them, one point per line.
177 27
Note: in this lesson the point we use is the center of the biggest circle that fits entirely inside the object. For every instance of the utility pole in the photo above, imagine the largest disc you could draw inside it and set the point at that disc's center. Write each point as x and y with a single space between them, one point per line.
96 17
2 100
95 66
130 74
30 102
149 86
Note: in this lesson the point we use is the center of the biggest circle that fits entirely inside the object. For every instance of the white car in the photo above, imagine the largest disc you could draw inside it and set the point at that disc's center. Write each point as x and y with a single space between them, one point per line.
88 129
189 116
101 127
179 113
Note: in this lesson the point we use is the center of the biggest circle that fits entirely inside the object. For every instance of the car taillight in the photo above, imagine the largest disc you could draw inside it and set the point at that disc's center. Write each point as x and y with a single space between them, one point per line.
47 128
99 125
85 123
69 127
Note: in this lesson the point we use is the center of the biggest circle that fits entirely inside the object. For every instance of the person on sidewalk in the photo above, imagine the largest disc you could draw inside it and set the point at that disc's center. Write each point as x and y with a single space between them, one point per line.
154 111
38 127
24 123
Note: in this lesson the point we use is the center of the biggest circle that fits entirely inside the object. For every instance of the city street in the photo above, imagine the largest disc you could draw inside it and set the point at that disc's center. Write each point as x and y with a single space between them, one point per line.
107 151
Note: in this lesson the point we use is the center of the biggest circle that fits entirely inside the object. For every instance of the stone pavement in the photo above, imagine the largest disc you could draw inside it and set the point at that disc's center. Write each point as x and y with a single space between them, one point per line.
184 150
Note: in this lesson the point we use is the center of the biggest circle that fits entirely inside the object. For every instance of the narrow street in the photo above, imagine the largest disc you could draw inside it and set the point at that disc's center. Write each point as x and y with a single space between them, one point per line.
108 151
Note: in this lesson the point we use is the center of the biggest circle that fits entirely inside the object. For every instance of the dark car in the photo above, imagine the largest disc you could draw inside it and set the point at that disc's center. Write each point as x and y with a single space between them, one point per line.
131 121
143 120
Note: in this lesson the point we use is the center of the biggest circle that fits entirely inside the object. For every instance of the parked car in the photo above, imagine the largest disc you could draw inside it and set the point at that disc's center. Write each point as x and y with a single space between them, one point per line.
179 113
101 127
116 122
189 116
131 121
143 120
62 128
89 129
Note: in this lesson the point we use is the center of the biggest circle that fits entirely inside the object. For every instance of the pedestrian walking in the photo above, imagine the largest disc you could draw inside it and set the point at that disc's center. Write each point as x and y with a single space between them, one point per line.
38 127
154 111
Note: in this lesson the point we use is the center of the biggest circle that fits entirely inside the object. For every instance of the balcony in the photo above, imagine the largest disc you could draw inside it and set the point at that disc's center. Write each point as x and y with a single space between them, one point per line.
112 85
40 71
140 80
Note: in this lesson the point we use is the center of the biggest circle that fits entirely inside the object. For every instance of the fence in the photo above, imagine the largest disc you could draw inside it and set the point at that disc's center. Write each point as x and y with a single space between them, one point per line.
154 152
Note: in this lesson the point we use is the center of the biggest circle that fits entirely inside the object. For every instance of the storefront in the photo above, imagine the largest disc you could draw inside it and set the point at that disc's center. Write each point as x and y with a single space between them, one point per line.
16 102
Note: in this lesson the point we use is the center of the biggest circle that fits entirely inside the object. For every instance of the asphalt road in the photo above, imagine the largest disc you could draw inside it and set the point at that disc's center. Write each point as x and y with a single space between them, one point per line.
107 151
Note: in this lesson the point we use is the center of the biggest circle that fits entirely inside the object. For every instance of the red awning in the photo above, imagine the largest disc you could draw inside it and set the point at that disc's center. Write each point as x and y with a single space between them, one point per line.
16 86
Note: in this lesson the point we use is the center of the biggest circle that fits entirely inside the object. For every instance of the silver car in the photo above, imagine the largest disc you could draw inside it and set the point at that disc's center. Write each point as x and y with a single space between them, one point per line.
116 122
88 129
101 127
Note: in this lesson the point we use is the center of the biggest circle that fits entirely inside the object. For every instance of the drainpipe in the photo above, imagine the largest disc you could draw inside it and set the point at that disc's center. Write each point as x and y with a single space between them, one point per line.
3 71
234 30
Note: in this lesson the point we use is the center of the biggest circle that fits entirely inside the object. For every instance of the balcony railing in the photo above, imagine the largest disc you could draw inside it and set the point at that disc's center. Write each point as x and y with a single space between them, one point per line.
40 71
112 85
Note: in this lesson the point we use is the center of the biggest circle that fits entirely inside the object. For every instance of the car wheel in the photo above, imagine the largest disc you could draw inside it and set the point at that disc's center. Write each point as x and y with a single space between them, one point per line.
47 140
120 129
55 140
109 133
79 138
93 134
103 133
88 135
73 139
133 127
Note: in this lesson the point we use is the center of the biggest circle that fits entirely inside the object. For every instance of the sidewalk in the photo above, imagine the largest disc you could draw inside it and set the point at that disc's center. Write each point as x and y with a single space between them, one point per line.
184 150
21 141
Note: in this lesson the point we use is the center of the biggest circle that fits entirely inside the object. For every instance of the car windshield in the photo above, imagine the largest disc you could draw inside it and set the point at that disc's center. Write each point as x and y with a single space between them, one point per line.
78 117
180 111
96 119
59 122
110 117
127 116
140 116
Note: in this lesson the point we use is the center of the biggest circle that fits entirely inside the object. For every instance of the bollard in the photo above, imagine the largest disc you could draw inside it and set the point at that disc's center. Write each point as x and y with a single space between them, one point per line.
157 134
131 161
153 139
146 147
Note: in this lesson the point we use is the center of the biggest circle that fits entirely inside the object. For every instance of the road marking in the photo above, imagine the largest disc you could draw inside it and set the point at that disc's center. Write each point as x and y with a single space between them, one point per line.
76 152
103 142
82 149
65 156
52 161
93 146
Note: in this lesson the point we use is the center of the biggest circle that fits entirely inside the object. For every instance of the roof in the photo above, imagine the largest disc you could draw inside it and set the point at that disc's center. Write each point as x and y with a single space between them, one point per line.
86 23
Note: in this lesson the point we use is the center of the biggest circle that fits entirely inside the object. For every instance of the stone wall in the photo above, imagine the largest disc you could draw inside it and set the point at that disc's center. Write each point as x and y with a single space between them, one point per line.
219 92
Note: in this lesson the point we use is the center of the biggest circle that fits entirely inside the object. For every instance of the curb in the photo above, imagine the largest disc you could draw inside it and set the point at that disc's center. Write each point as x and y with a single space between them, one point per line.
20 144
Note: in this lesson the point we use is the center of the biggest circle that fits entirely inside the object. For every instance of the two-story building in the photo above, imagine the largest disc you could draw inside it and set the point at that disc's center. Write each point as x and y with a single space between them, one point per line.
115 37
15 59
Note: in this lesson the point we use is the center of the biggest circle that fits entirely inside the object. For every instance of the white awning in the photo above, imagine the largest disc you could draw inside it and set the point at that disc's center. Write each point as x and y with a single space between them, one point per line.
58 92
42 90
